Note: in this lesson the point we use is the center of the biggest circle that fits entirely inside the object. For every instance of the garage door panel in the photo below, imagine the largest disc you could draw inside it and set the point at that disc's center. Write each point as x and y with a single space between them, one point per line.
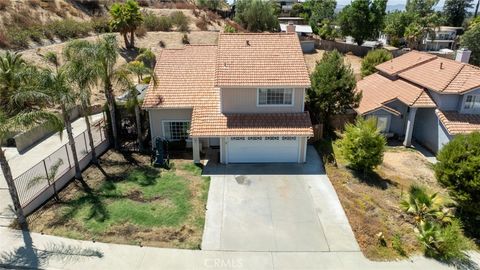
254 151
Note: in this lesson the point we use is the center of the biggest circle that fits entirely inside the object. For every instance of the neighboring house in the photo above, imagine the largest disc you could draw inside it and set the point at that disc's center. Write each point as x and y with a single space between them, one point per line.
244 96
304 32
423 97
287 5
443 37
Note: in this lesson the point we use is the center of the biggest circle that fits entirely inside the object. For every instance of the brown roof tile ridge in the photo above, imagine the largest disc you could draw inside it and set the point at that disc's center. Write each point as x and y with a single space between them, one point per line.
441 116
417 64
454 77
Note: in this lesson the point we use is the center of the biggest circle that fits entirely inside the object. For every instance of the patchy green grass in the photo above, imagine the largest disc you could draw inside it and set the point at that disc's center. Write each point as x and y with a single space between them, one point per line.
127 201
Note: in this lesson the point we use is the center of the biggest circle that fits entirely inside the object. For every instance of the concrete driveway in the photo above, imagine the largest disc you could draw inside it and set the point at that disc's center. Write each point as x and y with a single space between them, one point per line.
275 207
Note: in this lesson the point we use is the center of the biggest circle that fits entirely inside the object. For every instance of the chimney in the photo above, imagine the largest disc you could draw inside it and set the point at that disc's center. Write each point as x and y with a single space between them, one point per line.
463 55
291 27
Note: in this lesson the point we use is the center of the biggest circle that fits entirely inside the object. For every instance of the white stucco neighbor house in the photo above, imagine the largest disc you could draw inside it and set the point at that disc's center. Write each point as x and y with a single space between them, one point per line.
244 96
423 97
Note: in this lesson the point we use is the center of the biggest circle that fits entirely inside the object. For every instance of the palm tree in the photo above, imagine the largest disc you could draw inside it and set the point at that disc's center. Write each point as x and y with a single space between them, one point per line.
105 53
126 18
421 205
57 85
82 73
14 75
22 120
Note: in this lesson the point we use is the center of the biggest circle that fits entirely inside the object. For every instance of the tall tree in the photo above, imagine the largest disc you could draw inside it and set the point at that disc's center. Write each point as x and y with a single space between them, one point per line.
126 18
20 110
362 19
423 8
319 12
256 15
333 85
57 85
455 11
81 72
23 120
471 40
395 24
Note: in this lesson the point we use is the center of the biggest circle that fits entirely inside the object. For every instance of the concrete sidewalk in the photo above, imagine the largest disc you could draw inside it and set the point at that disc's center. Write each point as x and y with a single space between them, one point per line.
33 250
21 162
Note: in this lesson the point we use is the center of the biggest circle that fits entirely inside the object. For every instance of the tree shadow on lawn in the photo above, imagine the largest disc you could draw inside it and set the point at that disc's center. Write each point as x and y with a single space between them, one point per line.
31 257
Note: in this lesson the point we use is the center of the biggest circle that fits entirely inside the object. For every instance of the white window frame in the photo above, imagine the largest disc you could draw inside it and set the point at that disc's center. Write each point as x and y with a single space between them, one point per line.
475 101
172 121
276 105
389 119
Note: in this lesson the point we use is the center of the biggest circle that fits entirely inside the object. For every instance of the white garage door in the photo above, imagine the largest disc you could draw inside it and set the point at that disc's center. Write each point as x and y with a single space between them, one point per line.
262 149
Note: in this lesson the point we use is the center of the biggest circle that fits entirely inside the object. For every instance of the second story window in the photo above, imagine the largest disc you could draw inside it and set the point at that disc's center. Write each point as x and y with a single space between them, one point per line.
275 96
472 102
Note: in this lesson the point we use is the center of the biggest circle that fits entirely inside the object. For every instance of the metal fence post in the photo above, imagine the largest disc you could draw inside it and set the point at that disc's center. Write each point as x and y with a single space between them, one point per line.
85 140
46 172
68 157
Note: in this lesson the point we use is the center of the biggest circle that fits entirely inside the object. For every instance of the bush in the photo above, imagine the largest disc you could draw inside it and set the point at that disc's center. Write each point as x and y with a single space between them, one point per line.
202 23
229 29
362 145
185 39
68 28
100 24
372 59
141 32
3 40
180 21
445 243
18 38
156 23
458 169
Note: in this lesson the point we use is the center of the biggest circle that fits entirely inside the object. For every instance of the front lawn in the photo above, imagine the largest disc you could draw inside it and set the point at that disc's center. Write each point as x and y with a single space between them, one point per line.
371 202
125 200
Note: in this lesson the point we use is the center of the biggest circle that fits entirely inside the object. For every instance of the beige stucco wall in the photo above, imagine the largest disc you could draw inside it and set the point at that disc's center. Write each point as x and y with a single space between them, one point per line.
159 115
244 100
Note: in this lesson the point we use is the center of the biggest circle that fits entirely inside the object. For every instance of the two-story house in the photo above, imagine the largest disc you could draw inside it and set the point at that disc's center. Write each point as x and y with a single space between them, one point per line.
442 37
244 96
423 97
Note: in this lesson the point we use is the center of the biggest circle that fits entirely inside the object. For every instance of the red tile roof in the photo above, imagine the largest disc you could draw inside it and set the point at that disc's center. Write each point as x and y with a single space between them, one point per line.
184 78
433 72
209 122
260 60
457 123
404 62
378 90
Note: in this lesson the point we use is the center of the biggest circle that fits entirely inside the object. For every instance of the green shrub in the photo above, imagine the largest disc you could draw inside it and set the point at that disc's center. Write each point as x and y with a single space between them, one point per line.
397 245
458 169
372 59
362 145
185 39
100 24
69 28
180 21
18 38
446 243
229 29
156 23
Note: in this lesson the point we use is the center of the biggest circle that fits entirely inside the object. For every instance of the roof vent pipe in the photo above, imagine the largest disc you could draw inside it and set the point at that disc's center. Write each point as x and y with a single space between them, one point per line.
247 42
441 65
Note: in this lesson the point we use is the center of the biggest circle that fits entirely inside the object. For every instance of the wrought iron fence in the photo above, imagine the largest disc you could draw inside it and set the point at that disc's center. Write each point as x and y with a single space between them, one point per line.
45 173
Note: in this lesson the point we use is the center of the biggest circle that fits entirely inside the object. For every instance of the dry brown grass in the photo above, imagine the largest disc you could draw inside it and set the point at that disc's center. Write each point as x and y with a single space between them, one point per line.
371 202
4 4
